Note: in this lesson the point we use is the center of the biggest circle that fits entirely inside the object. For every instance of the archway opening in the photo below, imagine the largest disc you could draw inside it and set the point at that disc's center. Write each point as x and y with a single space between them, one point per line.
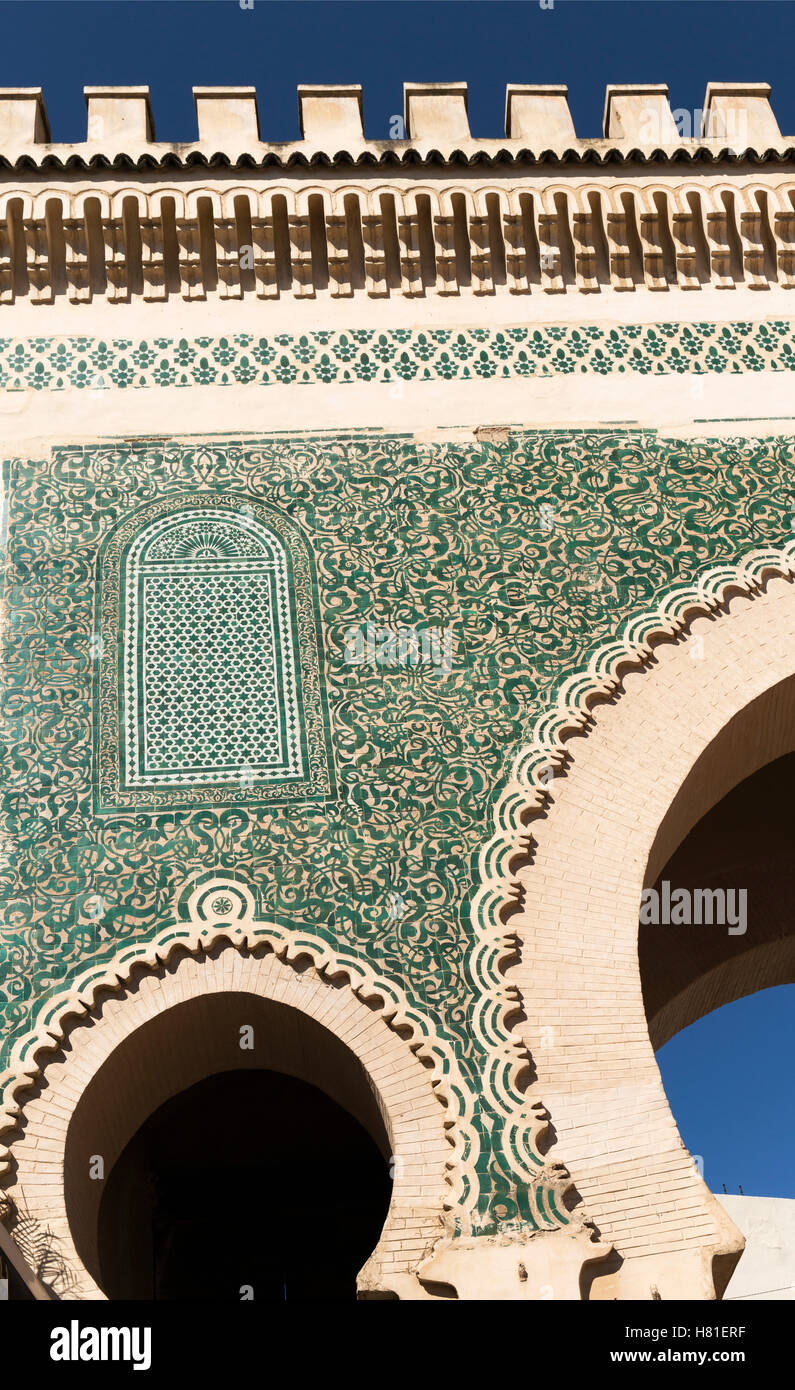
284 1199
717 970
229 1131
729 933
729 1083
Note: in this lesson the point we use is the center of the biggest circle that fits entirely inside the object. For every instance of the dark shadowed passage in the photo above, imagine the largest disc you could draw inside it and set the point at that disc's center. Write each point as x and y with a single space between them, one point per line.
248 1181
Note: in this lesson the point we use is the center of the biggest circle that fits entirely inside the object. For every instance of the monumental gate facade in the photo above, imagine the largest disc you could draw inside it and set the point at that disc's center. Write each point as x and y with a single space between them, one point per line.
398 567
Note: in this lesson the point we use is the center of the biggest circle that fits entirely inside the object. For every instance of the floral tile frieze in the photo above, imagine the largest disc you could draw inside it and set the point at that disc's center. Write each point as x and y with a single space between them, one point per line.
330 357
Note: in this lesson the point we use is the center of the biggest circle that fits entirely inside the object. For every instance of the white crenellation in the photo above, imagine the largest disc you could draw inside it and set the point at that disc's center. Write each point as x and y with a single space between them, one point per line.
734 116
430 228
539 115
740 110
119 113
226 114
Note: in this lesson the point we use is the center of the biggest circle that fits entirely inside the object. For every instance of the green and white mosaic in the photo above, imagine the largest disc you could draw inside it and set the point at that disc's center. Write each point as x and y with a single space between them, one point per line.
533 553
400 354
209 688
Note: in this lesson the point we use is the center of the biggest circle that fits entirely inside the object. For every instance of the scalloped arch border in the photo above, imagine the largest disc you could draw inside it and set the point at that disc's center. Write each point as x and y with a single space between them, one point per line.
197 937
525 796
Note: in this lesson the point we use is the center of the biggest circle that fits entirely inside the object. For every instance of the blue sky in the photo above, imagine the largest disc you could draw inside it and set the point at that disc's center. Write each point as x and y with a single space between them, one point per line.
728 1077
729 1081
173 45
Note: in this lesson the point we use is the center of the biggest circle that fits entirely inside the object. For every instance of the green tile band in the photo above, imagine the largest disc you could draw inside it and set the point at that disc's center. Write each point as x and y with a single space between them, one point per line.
402 354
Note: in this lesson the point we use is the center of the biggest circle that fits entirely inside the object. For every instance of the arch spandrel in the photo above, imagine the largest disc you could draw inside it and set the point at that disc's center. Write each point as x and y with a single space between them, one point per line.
351 1036
644 769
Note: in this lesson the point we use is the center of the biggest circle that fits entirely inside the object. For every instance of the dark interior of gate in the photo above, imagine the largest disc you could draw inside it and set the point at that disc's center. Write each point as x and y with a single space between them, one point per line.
249 1180
223 1172
743 845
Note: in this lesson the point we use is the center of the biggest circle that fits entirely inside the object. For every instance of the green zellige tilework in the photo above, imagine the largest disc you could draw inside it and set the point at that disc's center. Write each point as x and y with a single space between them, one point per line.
209 687
532 554
401 354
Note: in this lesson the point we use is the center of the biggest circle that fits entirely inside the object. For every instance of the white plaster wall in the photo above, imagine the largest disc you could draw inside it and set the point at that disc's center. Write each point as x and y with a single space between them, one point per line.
288 314
767 1265
752 403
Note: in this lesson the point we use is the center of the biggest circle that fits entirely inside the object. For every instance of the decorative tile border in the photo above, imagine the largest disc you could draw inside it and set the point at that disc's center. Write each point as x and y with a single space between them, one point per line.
401 354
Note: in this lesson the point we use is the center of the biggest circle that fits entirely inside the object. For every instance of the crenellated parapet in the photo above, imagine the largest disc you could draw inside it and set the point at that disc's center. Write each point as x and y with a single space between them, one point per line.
124 217
736 119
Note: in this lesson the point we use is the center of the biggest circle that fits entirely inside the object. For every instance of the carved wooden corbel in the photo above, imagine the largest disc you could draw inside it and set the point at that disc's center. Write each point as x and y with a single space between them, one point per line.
115 253
374 255
480 255
227 258
515 253
6 266
444 246
548 231
152 258
783 222
720 255
266 275
301 257
37 259
78 287
583 233
339 264
683 231
649 230
410 260
189 255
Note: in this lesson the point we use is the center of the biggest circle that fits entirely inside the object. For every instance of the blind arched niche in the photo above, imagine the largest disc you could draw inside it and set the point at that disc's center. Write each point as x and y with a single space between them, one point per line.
215 669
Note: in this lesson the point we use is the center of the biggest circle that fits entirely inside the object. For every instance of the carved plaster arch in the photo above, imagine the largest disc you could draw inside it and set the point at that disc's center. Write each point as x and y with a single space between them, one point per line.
621 740
221 950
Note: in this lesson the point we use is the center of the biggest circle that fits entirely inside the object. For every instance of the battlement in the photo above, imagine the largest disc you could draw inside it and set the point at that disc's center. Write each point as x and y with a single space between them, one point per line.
736 119
123 217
